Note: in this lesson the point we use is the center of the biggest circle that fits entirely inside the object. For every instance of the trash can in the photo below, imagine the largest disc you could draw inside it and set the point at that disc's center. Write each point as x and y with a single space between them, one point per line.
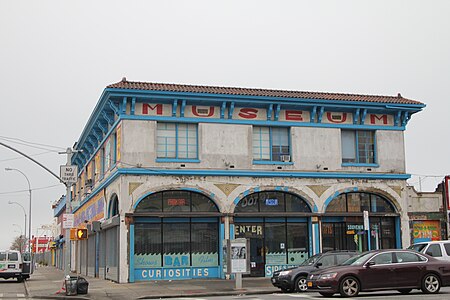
82 285
71 285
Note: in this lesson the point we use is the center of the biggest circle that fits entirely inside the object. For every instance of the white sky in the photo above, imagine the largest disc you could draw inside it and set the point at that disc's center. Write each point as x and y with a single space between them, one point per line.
56 59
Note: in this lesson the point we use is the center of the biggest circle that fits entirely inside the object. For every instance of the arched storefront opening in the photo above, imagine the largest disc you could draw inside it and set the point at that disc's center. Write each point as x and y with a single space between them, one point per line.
278 227
176 236
113 207
343 223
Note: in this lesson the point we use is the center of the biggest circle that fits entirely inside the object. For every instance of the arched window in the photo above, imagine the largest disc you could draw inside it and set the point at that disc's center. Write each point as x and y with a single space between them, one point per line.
272 201
113 206
359 202
176 201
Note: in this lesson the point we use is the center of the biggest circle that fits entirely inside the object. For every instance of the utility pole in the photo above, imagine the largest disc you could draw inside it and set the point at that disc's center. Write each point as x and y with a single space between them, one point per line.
68 180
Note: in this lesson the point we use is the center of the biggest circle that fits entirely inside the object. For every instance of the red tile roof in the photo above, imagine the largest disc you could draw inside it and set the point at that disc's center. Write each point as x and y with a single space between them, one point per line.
149 86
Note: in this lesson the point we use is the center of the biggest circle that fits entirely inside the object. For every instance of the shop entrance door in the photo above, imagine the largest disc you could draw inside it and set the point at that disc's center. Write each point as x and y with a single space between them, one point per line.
257 257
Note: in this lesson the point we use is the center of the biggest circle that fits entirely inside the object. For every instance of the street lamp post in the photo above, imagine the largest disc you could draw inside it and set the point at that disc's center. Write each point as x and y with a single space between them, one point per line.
25 218
29 211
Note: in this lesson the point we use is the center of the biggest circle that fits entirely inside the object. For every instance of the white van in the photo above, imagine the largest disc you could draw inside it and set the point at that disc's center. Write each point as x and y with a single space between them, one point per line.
11 265
437 249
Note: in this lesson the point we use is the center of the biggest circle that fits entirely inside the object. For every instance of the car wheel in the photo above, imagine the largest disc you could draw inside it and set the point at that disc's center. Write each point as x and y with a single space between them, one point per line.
405 291
431 284
326 294
19 279
349 287
300 284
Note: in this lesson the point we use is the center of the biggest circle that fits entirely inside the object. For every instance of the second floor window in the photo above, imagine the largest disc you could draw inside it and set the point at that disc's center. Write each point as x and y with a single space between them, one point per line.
177 141
358 146
271 144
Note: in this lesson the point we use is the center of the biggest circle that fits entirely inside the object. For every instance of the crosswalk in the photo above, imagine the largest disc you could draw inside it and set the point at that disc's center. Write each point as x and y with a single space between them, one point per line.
12 296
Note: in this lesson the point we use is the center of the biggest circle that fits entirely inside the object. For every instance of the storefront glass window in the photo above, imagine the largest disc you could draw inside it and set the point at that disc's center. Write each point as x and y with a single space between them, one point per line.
271 201
202 203
176 244
353 202
204 244
381 205
297 242
151 203
176 201
275 235
338 204
147 245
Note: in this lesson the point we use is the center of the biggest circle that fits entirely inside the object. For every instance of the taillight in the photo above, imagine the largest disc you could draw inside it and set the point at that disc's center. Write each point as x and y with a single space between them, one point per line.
20 266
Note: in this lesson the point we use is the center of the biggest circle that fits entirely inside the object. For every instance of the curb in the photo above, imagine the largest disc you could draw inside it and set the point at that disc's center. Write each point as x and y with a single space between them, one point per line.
211 294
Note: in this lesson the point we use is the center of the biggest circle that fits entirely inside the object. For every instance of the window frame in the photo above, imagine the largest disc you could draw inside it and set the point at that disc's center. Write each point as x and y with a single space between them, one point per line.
177 158
271 161
358 162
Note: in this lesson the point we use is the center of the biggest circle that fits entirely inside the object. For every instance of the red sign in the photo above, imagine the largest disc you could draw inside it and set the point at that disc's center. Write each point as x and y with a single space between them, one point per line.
176 202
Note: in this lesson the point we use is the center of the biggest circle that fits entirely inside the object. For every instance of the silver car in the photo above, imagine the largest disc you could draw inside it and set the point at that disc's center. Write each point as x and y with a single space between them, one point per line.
437 249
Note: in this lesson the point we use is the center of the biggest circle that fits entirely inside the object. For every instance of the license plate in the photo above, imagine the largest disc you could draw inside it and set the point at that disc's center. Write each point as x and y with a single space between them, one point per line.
309 284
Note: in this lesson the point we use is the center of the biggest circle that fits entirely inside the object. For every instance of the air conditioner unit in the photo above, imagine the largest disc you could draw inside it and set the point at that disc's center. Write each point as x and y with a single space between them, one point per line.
285 158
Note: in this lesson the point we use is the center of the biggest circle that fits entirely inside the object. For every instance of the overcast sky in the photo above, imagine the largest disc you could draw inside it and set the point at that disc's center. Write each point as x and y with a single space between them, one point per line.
56 59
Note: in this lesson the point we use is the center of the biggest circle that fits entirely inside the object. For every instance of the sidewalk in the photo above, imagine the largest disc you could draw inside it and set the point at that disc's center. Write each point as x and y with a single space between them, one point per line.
46 282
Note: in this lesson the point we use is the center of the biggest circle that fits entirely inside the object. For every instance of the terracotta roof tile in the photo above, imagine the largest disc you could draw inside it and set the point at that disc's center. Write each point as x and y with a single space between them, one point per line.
132 85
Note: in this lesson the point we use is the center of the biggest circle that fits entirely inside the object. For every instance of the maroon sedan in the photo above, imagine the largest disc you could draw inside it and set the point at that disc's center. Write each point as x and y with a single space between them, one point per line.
377 270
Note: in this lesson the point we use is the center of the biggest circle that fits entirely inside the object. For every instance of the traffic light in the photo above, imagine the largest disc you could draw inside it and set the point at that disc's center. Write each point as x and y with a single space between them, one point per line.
82 234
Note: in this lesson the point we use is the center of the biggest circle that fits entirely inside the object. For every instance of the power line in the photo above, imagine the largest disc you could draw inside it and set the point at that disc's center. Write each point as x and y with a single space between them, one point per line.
31 144
35 189
20 157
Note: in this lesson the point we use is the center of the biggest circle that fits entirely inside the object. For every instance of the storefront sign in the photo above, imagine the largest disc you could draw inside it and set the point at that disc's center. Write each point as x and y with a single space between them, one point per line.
174 273
248 230
424 231
272 202
256 113
93 210
176 260
239 261
176 202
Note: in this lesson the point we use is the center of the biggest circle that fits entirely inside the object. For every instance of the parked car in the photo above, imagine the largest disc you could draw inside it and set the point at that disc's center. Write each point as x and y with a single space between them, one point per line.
294 279
437 249
402 270
11 265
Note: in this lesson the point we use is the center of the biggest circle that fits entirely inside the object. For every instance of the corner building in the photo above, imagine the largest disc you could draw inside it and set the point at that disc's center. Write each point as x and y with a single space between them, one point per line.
168 172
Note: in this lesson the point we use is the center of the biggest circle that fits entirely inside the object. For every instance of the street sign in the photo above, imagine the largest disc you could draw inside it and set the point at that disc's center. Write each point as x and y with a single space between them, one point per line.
69 174
68 221
366 220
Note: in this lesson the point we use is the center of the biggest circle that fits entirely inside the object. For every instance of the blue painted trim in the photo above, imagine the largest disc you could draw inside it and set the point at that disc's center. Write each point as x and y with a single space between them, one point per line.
316 233
359 165
312 117
153 171
248 220
112 92
222 109
277 112
183 108
270 162
221 238
310 238
275 220
133 106
269 112
397 118
319 117
398 233
174 160
123 109
131 252
297 220
113 107
231 110
232 231
406 118
356 116
260 123
363 117
315 208
174 108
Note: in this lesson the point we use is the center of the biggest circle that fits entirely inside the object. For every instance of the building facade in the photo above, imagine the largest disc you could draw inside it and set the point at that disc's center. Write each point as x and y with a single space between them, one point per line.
168 172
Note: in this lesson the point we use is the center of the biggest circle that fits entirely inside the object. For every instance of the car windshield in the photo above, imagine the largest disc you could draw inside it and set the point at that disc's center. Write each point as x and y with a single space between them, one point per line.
357 260
310 261
417 247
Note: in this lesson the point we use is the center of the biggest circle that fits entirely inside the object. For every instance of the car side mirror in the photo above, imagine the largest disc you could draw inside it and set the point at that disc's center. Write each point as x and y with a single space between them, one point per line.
370 263
319 264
